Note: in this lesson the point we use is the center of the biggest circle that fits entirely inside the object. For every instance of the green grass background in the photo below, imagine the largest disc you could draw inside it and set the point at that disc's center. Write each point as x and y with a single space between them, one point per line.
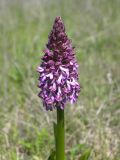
26 131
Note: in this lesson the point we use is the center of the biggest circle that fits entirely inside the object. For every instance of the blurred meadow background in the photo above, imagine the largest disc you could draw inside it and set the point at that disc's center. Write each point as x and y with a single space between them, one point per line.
93 123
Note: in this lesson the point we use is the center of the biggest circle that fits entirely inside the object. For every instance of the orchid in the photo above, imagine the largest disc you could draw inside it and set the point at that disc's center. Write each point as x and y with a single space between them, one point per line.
58 80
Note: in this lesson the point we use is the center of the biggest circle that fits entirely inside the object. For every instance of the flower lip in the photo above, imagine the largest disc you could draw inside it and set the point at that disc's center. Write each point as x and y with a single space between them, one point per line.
59 79
50 75
40 69
49 100
53 87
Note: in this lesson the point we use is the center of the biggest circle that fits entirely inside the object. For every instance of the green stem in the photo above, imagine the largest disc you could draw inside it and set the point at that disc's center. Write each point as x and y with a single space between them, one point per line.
60 140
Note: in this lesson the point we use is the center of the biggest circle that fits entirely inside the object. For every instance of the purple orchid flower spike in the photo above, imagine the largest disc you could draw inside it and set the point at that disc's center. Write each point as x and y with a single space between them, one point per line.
58 78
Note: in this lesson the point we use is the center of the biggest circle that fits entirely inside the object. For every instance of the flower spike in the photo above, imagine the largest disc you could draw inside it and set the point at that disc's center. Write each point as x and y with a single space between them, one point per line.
58 78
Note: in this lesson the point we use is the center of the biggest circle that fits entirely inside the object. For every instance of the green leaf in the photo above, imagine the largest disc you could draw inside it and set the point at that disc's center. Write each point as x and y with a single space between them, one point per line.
52 156
85 155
